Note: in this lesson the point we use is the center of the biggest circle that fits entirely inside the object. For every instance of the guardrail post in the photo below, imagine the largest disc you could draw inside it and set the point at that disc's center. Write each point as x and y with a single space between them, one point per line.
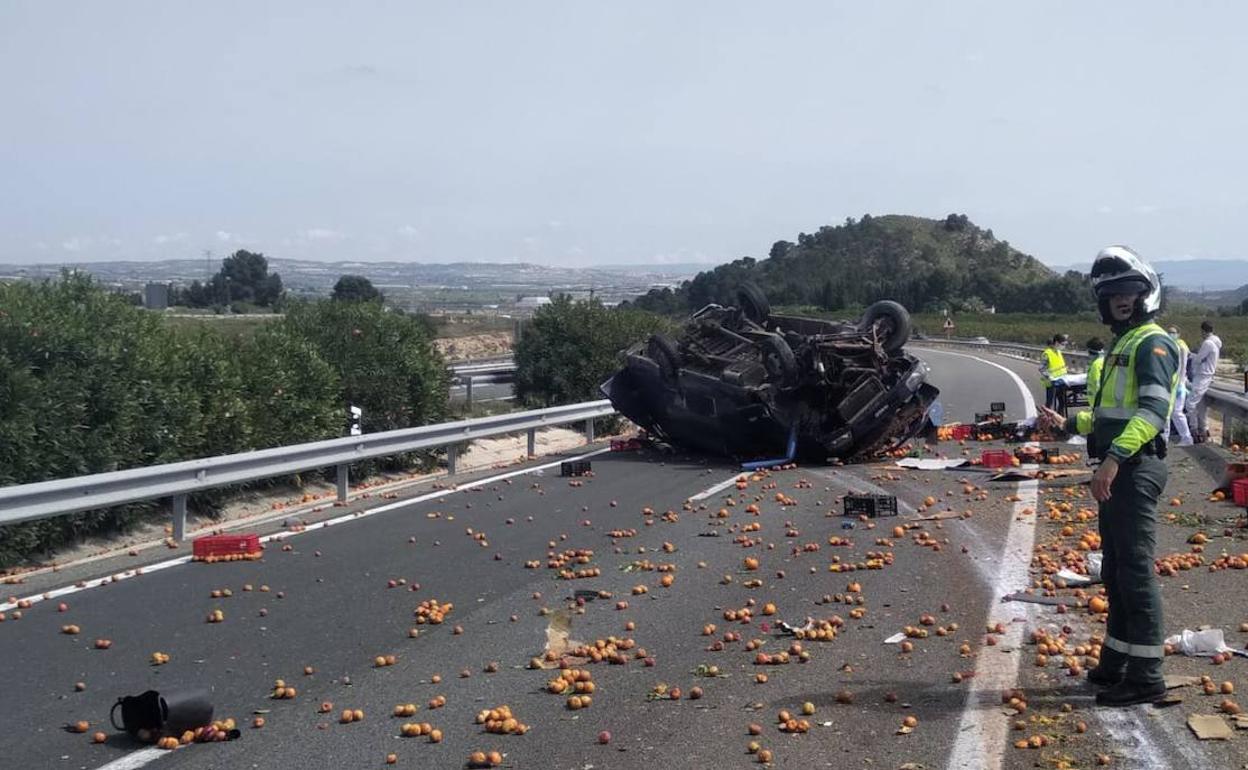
468 390
344 482
179 517
451 452
589 429
532 442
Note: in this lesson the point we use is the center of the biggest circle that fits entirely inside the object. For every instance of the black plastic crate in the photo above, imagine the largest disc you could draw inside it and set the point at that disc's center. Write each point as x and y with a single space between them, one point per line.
870 505
995 417
574 468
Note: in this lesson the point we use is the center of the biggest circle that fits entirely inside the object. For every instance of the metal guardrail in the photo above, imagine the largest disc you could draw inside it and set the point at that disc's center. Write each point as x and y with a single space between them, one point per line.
486 368
1229 406
45 499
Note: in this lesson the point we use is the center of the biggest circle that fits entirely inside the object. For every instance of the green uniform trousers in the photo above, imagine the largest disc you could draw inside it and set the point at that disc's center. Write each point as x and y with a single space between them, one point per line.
1134 638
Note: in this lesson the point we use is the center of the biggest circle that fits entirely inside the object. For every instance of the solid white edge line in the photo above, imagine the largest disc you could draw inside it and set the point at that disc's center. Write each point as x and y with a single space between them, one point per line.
280 536
720 487
983 730
135 759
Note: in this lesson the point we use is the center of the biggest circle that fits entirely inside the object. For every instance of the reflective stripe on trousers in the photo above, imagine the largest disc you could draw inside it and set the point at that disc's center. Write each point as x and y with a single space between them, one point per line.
1135 650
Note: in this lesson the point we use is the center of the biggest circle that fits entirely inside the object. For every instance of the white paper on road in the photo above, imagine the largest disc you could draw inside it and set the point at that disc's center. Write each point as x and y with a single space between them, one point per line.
895 638
1204 644
1093 560
930 463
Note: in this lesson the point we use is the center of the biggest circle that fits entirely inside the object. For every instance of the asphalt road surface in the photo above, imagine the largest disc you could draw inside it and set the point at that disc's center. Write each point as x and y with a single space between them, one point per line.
328 606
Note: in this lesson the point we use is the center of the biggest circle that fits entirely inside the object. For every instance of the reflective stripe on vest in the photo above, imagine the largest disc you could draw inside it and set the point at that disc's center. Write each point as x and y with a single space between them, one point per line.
1118 396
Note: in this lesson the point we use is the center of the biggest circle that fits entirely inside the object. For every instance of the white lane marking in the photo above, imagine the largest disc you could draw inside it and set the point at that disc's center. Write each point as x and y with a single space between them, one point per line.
720 487
1029 402
983 730
1129 732
135 759
150 568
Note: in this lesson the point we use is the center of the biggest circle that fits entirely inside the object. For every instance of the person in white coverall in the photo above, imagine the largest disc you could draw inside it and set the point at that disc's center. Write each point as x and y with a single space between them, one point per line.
1204 364
1178 417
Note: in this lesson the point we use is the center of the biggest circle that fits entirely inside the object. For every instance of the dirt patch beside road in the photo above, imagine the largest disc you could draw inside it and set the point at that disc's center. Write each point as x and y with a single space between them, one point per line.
490 345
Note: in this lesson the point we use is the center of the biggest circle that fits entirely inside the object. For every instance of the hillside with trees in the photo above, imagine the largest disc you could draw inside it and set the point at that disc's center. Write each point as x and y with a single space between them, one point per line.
926 264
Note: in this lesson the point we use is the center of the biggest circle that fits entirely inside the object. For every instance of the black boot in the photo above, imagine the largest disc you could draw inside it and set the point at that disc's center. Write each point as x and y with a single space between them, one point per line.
1103 676
1127 693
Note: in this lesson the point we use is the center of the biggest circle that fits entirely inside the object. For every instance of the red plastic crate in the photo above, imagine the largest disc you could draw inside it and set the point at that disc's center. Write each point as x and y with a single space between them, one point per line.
961 432
1239 491
226 547
997 458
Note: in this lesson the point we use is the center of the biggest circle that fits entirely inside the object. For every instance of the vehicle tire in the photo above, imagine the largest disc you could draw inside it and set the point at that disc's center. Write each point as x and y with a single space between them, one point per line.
892 324
753 303
778 359
662 351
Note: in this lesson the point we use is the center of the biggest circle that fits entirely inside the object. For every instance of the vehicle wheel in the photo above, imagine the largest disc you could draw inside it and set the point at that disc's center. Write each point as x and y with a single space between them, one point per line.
891 322
778 359
662 351
753 303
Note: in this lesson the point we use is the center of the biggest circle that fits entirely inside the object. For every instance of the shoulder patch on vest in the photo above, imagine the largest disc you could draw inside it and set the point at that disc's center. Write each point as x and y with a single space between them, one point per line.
1161 352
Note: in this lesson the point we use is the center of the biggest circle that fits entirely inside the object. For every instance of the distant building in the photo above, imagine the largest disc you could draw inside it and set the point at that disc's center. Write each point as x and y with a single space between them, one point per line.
156 296
532 303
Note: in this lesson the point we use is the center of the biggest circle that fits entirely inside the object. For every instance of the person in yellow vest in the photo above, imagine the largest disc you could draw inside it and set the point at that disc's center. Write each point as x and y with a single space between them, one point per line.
1052 366
1096 364
1124 425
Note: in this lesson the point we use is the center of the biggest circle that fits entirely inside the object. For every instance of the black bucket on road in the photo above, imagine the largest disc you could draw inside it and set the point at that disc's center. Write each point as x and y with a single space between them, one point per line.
173 713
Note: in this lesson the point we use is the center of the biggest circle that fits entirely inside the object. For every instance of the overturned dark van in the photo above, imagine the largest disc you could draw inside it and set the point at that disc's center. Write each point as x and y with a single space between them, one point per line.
743 382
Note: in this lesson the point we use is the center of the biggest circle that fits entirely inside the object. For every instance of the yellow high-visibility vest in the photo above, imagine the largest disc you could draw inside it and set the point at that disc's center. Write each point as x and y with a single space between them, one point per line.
1095 369
1056 365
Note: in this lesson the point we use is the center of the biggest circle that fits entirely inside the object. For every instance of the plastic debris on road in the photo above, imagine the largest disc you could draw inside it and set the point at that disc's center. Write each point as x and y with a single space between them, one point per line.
1206 643
1074 579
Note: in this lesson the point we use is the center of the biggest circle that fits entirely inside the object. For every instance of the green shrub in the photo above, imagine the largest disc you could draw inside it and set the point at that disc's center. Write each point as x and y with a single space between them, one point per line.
569 348
385 362
89 384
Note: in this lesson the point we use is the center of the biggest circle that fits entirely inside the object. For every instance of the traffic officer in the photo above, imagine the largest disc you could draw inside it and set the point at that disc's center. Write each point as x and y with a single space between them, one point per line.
1052 367
1131 408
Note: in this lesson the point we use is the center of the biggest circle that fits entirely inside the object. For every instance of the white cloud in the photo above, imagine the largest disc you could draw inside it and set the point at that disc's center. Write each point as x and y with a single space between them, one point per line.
76 244
554 224
407 231
1147 209
1105 210
321 234
224 237
162 239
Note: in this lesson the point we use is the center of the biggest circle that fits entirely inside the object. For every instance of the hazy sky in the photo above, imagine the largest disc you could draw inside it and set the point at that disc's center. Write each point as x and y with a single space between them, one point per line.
594 132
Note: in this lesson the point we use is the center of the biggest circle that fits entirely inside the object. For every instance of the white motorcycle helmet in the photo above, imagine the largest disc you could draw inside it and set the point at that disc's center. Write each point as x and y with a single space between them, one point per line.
1119 270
